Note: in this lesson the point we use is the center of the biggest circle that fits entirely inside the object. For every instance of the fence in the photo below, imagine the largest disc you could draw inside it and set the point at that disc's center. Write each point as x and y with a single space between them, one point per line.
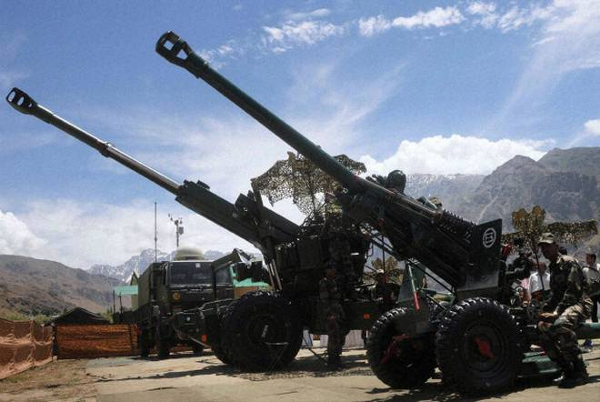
23 344
95 340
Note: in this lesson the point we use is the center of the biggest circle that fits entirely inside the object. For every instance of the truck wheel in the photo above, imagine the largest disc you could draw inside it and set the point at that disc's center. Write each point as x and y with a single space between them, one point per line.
396 359
144 344
259 332
196 349
162 345
478 346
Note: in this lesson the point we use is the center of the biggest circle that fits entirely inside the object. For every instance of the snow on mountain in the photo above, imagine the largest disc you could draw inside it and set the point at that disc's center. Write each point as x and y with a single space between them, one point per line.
123 272
139 263
451 189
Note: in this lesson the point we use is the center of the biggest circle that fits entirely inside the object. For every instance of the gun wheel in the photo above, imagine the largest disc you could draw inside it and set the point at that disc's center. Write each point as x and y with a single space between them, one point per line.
259 332
478 346
397 359
221 354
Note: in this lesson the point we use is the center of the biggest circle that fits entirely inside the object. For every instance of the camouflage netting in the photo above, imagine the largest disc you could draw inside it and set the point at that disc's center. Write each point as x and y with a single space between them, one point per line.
23 344
391 268
530 226
299 179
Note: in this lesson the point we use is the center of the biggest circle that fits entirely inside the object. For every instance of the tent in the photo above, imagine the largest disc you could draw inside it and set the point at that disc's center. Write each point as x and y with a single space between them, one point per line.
79 315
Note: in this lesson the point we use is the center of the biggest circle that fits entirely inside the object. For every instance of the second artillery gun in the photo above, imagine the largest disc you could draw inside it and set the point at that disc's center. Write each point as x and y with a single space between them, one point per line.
476 341
260 330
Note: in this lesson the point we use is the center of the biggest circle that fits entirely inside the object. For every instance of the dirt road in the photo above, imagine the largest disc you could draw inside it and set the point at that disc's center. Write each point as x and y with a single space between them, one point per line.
204 378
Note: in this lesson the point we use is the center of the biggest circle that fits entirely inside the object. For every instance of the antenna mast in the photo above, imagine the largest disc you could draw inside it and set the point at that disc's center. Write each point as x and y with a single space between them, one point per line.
178 228
155 235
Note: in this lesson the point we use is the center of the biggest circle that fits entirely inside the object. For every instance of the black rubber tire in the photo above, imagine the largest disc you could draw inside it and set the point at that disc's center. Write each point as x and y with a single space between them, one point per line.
470 330
437 310
221 354
163 349
252 321
144 344
408 363
197 349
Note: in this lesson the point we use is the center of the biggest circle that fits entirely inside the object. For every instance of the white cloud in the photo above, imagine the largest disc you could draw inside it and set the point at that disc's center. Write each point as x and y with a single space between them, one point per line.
567 40
292 34
438 17
485 13
517 17
373 25
593 127
435 18
454 154
16 237
318 13
81 234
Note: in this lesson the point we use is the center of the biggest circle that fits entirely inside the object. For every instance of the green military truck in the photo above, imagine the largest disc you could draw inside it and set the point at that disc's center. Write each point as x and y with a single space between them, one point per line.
168 288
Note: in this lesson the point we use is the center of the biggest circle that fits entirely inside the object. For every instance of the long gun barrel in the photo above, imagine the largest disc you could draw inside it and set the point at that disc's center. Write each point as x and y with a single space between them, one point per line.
170 46
462 253
179 52
24 103
193 195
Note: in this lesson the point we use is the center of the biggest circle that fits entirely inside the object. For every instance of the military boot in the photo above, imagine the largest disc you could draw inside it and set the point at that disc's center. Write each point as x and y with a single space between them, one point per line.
578 376
567 371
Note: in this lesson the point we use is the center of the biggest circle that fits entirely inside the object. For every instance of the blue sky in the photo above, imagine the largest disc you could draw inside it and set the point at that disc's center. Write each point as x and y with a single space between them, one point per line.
423 86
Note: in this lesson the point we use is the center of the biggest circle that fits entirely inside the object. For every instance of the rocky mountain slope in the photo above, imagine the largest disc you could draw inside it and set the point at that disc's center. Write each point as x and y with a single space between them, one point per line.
584 161
522 183
33 286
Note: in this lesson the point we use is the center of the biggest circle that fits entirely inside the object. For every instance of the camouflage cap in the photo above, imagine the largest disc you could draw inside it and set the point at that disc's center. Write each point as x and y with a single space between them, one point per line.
589 251
546 238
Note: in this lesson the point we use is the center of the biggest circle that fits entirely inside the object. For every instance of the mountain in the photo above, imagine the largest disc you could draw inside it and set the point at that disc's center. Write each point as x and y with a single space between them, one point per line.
565 194
139 263
581 160
453 190
33 286
123 272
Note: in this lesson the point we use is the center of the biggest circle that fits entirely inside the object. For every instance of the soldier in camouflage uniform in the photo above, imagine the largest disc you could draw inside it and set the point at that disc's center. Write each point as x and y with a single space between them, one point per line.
569 304
334 315
382 292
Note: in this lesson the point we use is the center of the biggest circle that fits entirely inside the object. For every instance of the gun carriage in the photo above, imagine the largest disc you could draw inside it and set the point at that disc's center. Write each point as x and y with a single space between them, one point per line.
246 330
479 341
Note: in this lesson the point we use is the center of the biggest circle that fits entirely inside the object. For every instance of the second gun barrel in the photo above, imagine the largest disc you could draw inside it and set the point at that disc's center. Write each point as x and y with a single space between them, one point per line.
22 102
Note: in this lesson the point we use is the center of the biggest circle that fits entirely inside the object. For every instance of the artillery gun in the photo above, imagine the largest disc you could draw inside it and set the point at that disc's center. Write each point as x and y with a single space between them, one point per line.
476 341
263 329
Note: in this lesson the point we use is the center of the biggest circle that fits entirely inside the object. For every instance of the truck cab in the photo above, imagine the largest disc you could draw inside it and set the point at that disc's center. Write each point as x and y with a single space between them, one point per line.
168 288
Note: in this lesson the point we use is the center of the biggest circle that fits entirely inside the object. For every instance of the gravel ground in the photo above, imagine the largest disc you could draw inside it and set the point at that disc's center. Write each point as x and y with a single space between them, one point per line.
190 378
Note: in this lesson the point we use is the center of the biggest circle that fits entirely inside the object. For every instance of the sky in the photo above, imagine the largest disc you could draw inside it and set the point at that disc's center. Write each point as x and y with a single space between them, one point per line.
436 87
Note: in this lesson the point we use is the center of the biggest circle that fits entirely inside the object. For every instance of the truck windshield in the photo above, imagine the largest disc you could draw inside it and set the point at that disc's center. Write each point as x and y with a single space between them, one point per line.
191 273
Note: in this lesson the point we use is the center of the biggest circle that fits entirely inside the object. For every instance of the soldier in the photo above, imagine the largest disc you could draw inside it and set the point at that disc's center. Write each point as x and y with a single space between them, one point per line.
382 292
591 272
569 304
334 315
